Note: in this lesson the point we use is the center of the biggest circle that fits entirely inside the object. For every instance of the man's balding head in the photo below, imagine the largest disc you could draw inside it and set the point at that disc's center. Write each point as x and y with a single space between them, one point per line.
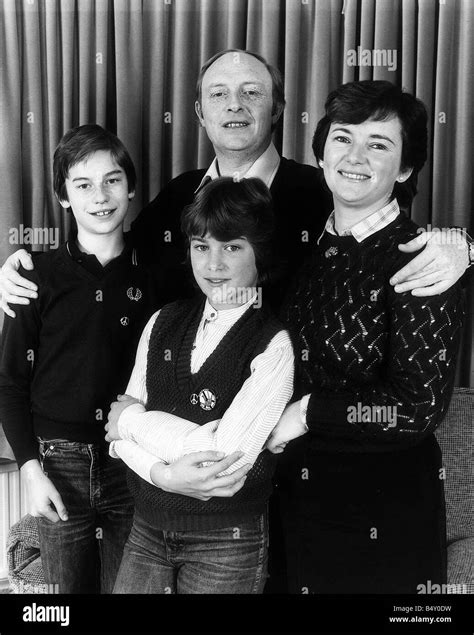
278 92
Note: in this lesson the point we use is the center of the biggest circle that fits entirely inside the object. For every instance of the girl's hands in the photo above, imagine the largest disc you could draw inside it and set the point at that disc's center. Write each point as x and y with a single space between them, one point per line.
189 477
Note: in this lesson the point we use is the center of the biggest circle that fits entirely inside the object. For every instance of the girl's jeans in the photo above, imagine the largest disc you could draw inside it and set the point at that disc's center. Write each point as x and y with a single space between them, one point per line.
227 560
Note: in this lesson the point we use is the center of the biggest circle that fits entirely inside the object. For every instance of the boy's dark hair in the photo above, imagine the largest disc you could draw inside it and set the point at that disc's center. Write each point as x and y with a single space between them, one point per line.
356 102
79 143
227 209
278 92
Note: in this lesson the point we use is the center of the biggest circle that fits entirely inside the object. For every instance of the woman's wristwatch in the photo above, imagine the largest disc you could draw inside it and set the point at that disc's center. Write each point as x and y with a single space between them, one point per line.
470 243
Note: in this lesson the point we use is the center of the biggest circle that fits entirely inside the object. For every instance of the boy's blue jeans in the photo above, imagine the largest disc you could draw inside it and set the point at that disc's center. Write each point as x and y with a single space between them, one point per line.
83 554
227 560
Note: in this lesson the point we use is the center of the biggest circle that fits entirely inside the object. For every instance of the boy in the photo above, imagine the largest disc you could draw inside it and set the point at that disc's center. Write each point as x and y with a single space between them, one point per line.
65 357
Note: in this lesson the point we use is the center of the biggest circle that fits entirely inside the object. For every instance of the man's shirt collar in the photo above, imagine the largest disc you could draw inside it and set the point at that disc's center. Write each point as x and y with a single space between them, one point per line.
264 168
367 226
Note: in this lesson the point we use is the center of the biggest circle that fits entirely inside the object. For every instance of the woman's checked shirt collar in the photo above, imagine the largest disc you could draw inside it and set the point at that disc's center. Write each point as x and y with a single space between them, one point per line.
367 226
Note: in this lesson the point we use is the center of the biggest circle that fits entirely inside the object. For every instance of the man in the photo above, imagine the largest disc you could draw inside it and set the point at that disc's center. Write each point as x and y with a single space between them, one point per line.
239 101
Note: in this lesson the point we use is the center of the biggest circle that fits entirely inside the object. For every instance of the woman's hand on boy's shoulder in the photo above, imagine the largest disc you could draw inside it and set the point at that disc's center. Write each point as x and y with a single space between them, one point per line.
116 409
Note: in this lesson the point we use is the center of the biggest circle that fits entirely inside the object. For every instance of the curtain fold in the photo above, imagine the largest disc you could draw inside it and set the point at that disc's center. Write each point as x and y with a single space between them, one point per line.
12 204
464 134
129 57
33 74
131 65
154 136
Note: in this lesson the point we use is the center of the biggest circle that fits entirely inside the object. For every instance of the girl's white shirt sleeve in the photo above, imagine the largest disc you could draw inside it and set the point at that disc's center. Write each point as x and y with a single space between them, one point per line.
245 425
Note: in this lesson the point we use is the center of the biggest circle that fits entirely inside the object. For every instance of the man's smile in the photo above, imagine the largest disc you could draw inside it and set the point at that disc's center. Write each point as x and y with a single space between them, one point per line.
236 124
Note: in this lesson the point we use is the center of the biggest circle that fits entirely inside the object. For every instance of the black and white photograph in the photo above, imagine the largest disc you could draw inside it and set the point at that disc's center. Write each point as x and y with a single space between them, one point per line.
236 316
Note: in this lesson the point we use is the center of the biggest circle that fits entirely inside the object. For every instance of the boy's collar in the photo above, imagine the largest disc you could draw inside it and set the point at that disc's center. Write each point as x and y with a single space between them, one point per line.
81 256
73 247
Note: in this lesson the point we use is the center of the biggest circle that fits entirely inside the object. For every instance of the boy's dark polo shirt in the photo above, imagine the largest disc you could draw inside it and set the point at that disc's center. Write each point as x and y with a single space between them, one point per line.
82 333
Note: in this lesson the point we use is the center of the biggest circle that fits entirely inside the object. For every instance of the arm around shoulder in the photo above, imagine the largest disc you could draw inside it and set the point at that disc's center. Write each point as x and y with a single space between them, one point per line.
15 288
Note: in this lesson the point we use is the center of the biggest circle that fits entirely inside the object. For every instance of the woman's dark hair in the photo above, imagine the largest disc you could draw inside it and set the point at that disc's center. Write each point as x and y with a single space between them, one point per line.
227 209
78 144
356 102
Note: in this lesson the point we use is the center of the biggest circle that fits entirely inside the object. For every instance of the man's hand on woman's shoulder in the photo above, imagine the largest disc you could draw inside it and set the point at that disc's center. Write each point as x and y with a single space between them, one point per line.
440 265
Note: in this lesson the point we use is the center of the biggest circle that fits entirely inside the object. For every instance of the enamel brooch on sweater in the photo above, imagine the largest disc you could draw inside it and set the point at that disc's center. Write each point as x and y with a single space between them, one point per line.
332 251
134 294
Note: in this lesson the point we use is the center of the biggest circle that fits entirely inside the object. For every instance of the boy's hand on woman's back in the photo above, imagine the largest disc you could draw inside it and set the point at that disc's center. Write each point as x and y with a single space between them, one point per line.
44 498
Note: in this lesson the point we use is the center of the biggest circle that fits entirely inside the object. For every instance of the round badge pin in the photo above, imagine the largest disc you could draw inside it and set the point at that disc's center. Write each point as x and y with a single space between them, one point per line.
207 399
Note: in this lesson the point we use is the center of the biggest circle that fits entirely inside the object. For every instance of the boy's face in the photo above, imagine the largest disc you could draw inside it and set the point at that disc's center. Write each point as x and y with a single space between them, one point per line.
97 190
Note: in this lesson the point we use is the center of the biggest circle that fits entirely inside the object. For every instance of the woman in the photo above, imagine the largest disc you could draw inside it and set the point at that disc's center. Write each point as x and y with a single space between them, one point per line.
363 488
215 373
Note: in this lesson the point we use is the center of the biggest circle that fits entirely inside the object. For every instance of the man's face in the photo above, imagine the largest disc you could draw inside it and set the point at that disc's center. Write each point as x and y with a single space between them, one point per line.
236 107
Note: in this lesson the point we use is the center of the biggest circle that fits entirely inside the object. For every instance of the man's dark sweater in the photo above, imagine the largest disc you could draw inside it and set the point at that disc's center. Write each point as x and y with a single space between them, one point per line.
361 344
65 356
301 206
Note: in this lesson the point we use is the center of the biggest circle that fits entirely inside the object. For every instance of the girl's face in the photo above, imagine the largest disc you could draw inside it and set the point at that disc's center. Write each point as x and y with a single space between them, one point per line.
224 270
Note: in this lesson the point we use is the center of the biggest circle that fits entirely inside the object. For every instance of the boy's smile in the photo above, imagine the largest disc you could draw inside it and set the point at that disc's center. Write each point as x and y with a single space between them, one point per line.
98 195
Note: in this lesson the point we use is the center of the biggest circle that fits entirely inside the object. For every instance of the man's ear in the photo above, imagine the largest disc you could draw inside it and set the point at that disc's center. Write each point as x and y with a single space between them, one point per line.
198 111
131 194
404 175
277 113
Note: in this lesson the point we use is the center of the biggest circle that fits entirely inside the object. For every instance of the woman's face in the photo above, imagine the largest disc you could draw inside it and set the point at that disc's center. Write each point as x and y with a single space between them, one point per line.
224 270
362 163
